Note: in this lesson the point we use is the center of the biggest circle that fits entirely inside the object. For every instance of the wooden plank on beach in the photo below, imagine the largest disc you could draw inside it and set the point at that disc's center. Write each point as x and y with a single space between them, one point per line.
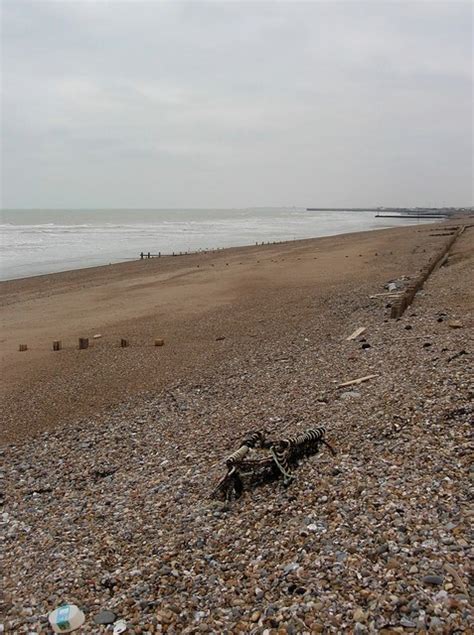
353 382
356 333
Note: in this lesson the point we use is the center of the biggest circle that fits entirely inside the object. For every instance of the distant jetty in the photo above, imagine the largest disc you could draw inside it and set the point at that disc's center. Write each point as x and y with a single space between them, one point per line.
413 215
397 212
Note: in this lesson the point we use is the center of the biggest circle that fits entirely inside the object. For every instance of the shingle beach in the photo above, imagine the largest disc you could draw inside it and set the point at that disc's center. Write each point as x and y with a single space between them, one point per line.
110 455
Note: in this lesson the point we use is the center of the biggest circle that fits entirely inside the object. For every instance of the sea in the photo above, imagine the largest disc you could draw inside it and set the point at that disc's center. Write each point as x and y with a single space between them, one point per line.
40 241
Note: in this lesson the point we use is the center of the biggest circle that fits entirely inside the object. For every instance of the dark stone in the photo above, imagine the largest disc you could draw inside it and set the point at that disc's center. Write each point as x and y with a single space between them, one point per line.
105 617
435 580
427 344
408 327
103 472
366 345
108 582
165 570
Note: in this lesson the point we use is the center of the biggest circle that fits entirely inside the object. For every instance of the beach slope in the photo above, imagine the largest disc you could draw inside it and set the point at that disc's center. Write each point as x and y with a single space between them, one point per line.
113 453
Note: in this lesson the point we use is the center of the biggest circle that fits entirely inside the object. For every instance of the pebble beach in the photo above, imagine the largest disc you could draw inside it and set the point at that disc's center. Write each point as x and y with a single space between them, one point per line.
110 456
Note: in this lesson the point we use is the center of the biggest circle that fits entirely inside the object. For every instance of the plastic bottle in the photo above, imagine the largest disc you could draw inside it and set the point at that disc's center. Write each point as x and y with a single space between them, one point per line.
66 618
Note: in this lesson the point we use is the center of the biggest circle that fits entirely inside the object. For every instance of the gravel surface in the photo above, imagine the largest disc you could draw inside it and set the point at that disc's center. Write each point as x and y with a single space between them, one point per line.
113 513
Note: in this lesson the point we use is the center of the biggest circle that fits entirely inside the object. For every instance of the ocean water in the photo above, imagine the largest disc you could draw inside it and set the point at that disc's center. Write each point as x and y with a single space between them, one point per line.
38 241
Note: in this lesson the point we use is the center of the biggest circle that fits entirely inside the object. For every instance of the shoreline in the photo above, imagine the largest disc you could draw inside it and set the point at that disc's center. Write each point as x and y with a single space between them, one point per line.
202 250
218 250
189 302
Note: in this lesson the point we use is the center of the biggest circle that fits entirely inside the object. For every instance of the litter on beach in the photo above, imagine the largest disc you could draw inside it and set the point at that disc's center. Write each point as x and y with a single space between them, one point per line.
120 626
66 618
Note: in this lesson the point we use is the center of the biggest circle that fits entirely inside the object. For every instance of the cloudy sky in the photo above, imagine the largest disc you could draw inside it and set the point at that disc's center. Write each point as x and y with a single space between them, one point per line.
234 104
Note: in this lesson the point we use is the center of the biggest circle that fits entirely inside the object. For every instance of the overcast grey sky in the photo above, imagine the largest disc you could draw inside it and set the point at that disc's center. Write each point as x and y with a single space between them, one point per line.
230 104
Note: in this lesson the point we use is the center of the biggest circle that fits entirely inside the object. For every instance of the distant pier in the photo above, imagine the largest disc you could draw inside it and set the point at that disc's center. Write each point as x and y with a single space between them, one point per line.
413 216
395 212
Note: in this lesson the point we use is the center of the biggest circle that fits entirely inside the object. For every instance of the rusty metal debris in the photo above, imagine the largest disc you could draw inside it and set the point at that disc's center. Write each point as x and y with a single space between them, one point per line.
262 459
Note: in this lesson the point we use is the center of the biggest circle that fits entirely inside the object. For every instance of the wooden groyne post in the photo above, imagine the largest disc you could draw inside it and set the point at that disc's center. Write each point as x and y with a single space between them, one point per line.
400 305
149 255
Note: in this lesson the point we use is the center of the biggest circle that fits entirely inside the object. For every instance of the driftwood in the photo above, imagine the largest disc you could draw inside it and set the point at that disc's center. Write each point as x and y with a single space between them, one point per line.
457 578
356 333
354 382
259 459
